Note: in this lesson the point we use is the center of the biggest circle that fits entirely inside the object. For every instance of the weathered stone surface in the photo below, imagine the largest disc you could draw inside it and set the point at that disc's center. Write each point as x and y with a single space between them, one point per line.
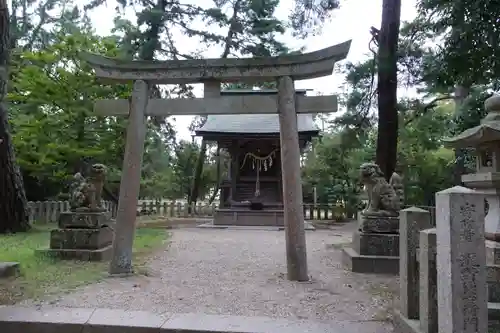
102 254
299 67
86 194
216 105
461 261
9 269
130 181
91 239
412 220
88 220
193 322
292 186
404 325
428 310
358 263
384 199
69 320
375 244
30 320
374 224
121 321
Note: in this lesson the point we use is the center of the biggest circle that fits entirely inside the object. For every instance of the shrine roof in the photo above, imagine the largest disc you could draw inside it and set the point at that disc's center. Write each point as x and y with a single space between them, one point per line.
254 123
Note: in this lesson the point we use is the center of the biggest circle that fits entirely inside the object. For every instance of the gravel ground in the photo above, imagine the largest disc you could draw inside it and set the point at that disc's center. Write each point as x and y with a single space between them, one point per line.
242 272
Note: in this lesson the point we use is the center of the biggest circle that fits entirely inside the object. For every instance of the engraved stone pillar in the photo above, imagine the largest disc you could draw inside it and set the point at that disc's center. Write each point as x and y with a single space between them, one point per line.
412 220
121 262
461 261
292 186
428 282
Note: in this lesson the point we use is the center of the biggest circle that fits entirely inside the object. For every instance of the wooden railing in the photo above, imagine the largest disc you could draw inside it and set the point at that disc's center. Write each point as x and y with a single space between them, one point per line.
48 211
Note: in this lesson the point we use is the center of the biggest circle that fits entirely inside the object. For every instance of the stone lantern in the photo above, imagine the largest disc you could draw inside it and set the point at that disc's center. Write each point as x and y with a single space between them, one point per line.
485 139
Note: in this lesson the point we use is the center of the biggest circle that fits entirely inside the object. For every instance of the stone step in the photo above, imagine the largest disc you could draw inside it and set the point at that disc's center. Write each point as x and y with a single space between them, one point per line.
359 263
9 269
88 320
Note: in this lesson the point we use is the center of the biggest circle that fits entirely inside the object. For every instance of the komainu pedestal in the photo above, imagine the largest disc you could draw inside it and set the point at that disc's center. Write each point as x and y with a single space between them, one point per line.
374 250
375 245
85 236
85 232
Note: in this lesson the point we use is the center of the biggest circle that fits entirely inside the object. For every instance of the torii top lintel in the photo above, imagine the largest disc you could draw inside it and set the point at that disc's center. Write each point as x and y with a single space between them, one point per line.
302 66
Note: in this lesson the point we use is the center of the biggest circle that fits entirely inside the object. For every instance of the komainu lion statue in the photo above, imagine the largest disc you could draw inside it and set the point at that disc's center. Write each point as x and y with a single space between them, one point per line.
384 199
86 195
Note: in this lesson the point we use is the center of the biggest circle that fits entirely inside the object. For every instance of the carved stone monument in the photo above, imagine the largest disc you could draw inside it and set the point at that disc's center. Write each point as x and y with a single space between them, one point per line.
375 245
84 232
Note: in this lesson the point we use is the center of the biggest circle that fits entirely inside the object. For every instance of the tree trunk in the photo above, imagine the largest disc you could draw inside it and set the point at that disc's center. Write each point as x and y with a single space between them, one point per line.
217 183
461 93
387 137
13 203
197 174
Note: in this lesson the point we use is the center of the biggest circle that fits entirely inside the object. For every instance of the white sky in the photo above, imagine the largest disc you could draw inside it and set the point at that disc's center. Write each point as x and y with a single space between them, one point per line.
352 21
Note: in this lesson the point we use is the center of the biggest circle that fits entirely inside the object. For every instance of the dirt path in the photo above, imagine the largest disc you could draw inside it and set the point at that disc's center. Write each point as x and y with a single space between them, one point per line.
242 272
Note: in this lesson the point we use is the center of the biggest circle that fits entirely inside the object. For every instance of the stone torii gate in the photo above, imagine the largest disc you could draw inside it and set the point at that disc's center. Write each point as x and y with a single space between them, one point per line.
212 72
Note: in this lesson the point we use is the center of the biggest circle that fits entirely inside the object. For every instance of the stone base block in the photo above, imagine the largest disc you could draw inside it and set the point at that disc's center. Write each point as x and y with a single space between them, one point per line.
246 217
372 224
9 269
88 220
358 263
375 244
405 325
90 239
103 254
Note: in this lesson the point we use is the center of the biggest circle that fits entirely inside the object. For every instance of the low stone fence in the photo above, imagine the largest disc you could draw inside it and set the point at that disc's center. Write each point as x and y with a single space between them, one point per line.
48 211
443 271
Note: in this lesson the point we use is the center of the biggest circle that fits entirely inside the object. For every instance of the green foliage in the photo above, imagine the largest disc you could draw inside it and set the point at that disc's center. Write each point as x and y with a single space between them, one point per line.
425 164
470 33
51 101
332 165
42 275
308 15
